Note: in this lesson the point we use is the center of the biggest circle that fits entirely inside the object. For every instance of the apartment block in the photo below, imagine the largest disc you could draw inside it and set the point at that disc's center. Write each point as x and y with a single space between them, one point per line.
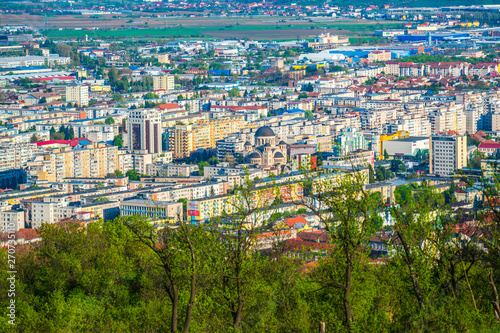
78 94
163 82
183 139
144 130
11 220
447 153
92 161
152 209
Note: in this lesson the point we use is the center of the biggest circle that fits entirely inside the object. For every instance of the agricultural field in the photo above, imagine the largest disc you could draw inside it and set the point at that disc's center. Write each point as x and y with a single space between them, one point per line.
257 28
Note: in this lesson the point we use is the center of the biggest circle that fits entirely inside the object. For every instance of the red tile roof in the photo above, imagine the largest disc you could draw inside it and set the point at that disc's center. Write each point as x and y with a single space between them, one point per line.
294 220
489 144
168 106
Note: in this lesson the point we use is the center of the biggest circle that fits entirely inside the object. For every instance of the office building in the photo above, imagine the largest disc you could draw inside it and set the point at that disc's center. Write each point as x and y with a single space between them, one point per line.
144 130
447 153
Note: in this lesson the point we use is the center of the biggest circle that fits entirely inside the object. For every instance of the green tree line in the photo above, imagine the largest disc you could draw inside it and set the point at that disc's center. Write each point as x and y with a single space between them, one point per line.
133 275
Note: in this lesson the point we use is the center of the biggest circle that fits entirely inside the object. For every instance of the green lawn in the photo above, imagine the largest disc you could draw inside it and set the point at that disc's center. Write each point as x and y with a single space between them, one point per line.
124 33
201 31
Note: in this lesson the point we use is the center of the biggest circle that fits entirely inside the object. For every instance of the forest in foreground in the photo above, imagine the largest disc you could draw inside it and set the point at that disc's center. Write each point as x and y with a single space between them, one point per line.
441 273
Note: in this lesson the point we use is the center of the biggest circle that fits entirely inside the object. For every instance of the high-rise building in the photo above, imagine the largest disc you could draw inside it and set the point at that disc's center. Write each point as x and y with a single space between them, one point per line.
447 153
78 94
183 139
144 130
163 82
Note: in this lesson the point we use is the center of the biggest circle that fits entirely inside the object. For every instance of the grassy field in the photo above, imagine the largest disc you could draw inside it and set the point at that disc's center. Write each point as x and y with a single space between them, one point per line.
257 30
150 26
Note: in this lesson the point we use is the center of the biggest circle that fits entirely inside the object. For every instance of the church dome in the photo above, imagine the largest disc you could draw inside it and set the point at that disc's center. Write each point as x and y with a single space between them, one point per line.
247 144
265 131
282 143
254 155
278 155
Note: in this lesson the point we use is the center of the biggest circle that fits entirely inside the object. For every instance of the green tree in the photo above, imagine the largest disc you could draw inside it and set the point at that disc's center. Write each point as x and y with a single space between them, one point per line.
132 174
234 92
117 141
151 95
397 166
109 121
201 166
185 258
71 133
386 155
309 114
118 97
348 213
113 75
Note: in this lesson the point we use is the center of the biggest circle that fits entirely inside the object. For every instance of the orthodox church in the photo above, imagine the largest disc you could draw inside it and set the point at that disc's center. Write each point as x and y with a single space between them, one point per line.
265 152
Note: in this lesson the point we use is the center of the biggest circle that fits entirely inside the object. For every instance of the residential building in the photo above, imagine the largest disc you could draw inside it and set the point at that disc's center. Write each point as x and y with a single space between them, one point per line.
350 140
144 130
447 153
78 94
163 82
152 209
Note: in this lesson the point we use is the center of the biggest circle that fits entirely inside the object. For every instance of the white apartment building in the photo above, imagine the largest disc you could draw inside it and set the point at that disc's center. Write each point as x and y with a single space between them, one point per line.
11 220
450 118
447 153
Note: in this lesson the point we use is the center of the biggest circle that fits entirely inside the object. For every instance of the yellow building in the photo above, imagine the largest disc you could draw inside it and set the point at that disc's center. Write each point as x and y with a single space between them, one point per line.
99 88
93 161
163 82
183 139
388 137
216 206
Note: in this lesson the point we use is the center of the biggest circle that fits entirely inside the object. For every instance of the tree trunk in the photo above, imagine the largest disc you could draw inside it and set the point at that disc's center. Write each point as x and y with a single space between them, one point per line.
238 314
175 308
347 292
416 288
190 307
495 302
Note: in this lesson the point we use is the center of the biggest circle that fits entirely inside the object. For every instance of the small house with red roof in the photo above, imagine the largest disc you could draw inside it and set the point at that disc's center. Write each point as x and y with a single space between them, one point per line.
298 223
489 147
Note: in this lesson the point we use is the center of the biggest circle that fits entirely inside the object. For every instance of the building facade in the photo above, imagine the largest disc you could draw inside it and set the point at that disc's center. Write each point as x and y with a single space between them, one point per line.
144 130
447 153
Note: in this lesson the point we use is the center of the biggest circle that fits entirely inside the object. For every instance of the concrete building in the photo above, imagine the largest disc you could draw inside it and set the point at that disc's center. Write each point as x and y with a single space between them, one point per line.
78 94
447 153
152 209
183 139
89 161
30 60
230 145
144 130
163 82
11 220
350 140
406 146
